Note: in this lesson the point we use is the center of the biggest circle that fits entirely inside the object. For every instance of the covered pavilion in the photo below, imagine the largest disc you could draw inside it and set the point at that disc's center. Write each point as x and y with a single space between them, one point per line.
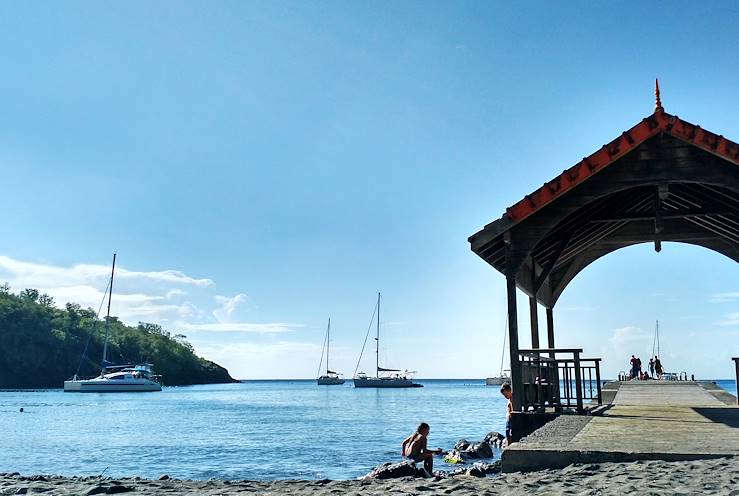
664 179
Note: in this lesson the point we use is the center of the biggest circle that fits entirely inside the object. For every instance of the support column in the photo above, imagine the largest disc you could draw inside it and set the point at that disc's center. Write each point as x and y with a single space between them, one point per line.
516 378
736 363
550 329
533 311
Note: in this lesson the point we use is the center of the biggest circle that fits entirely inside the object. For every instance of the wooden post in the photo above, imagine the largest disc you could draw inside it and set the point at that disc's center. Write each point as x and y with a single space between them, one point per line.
578 382
534 322
516 378
550 331
736 363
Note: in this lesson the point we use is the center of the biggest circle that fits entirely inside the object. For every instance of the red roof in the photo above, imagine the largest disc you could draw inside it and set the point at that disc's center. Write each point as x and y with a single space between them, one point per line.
659 122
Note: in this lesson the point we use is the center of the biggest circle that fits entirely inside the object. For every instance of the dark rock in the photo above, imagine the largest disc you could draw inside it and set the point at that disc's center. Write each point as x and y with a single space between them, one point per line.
37 478
494 438
475 471
21 490
118 489
164 477
395 471
96 490
481 450
462 445
488 468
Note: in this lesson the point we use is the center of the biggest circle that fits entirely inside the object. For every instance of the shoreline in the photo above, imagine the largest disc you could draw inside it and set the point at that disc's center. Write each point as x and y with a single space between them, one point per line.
714 476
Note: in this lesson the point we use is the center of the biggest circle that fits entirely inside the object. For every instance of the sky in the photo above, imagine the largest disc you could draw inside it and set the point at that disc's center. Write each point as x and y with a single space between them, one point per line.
260 167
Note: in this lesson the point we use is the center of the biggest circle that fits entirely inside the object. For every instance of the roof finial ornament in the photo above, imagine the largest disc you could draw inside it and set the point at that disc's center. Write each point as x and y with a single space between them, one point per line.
658 102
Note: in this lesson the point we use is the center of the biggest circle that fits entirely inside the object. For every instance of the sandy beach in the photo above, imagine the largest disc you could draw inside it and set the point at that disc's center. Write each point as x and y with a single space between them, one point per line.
717 476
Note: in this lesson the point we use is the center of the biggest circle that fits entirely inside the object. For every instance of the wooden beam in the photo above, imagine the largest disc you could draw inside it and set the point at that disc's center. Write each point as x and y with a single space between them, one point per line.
673 214
552 261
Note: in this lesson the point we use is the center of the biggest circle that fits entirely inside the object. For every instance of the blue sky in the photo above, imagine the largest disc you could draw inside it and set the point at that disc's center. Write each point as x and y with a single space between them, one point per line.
260 166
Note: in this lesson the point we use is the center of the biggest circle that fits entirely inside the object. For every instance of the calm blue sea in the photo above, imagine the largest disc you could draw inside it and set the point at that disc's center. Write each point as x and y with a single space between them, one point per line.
253 430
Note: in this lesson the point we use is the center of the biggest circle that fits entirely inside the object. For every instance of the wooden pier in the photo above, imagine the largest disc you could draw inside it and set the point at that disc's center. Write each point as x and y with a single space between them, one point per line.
646 420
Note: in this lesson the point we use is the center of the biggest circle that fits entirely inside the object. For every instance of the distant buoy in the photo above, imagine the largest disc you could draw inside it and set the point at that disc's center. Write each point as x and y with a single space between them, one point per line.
21 409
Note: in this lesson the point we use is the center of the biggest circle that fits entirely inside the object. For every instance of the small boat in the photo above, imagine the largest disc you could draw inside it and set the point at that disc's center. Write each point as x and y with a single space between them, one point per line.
330 378
504 375
115 378
384 378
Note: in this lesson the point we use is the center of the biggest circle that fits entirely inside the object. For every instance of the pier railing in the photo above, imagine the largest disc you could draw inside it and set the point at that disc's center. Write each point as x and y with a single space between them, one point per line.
558 378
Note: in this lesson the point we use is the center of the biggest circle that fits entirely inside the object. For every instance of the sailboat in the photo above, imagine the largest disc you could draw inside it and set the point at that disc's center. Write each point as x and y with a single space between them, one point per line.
384 378
504 375
330 378
122 378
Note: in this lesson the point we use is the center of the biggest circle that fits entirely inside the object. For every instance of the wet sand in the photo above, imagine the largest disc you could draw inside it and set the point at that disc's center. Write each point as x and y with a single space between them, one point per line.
717 476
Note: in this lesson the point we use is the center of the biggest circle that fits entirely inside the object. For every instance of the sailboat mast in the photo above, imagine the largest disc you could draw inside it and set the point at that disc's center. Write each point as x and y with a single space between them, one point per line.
658 338
328 342
107 317
377 339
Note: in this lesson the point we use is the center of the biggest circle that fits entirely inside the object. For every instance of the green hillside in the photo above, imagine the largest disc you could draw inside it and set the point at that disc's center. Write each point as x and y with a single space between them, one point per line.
41 345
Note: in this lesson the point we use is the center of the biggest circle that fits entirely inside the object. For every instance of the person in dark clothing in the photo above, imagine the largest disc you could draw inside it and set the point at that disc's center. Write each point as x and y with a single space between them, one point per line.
651 367
658 367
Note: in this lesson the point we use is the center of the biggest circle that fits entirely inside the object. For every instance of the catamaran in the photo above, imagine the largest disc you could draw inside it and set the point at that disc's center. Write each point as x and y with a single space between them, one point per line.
384 378
504 375
115 378
330 378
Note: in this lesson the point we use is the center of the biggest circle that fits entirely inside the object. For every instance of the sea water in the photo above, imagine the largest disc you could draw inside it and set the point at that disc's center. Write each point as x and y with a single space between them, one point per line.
252 430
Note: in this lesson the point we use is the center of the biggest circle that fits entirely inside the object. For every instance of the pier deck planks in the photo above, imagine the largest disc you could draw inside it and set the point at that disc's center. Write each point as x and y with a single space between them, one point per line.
647 421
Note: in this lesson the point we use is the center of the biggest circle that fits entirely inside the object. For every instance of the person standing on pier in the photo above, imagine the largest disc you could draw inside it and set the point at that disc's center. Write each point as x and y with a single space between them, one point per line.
507 393
658 367
634 369
651 367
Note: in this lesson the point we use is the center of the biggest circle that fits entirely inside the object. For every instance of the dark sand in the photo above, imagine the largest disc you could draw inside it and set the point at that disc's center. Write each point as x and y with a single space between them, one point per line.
718 476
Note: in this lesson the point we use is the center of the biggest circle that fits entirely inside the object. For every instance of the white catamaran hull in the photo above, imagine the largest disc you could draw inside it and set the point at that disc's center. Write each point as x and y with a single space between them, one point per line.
496 381
110 386
373 382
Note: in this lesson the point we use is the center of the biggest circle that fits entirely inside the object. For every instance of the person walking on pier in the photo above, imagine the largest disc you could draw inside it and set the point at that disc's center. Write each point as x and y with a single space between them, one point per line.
634 368
658 367
651 367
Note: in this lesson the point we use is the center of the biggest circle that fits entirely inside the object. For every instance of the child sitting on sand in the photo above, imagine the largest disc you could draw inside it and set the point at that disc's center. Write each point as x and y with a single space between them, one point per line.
507 392
415 447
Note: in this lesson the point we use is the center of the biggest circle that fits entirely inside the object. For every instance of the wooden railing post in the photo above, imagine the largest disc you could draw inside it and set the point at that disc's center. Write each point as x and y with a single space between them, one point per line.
736 364
578 381
597 379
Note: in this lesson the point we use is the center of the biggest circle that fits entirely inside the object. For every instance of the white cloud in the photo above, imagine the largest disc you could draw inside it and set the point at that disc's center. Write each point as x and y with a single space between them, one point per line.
731 319
246 360
724 297
629 336
225 312
268 328
22 274
139 296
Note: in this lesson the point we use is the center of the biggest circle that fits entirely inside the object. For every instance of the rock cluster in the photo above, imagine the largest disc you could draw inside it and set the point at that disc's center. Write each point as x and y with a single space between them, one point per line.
465 450
461 453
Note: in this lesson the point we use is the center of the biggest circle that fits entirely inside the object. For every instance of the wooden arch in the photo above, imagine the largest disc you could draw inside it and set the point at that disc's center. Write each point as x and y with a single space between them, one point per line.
664 179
